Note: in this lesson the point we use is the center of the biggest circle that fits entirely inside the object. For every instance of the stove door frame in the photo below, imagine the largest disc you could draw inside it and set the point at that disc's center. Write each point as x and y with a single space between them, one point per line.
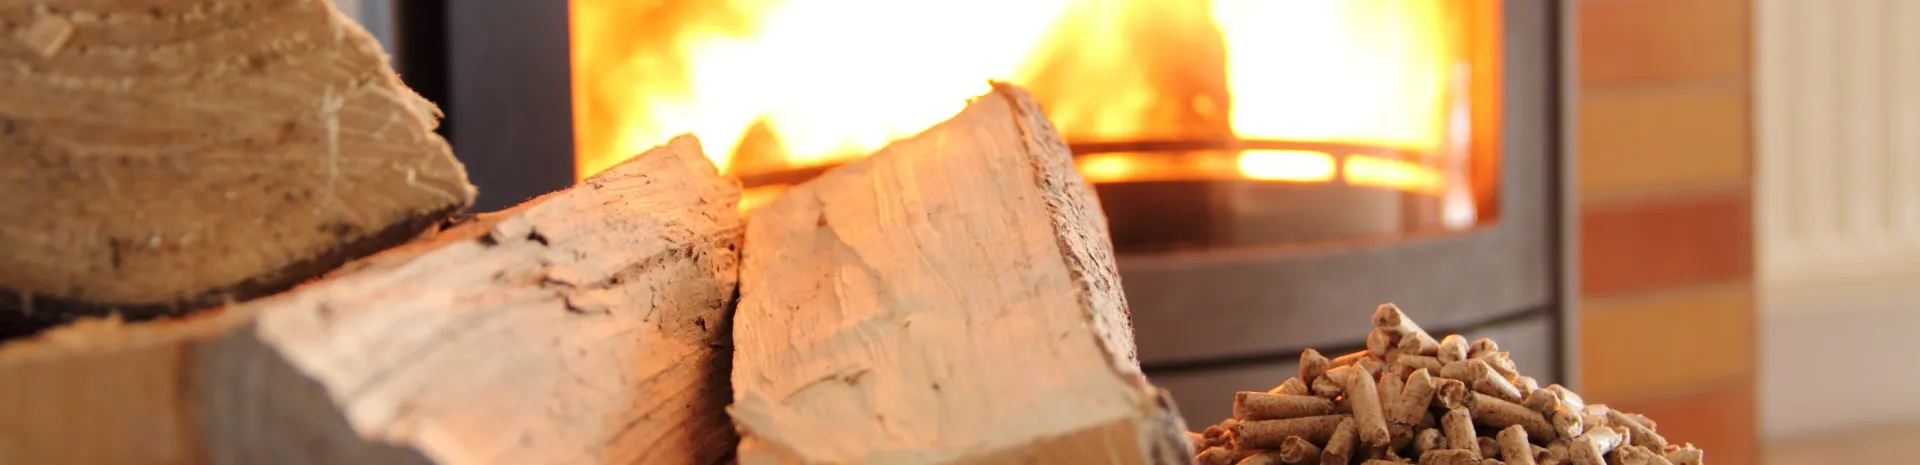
1202 336
501 72
1192 308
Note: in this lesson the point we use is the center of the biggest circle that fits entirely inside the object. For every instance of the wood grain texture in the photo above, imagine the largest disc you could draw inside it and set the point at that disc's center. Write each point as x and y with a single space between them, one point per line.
64 391
1666 242
162 155
588 326
950 299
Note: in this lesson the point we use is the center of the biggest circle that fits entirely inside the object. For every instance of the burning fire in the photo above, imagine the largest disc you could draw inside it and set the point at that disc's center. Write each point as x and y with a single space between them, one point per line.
779 84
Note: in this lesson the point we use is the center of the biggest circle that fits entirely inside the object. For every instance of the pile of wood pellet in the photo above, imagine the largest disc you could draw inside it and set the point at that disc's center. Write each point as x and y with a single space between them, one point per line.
1409 398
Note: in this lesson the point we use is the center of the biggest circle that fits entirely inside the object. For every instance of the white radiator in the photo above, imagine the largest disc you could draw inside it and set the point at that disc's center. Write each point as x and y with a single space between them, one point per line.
1837 133
1838 139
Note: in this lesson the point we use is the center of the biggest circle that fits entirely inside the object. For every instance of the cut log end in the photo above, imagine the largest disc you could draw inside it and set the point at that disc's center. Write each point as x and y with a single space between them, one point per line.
236 168
895 241
455 349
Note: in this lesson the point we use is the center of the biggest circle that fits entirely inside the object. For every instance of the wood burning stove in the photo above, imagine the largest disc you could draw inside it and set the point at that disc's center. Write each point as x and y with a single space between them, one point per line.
1228 276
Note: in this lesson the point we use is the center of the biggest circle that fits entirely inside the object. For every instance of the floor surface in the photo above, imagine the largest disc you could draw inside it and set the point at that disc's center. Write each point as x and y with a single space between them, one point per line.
1890 444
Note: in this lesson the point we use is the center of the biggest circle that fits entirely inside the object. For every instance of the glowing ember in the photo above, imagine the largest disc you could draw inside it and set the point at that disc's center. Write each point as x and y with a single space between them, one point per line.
1286 165
1362 170
770 85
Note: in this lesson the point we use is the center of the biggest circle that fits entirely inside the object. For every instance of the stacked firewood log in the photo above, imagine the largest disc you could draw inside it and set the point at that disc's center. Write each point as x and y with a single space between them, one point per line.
161 157
1411 398
247 249
228 235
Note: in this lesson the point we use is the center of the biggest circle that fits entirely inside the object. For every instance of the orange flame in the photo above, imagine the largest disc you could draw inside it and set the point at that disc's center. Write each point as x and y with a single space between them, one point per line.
1359 71
777 84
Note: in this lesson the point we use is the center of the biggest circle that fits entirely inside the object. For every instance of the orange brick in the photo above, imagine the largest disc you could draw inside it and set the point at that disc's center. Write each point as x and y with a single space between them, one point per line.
1635 142
1628 42
1719 420
1666 242
1667 342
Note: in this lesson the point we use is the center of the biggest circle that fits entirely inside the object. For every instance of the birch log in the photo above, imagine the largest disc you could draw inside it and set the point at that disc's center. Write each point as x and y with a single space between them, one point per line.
588 326
159 156
950 299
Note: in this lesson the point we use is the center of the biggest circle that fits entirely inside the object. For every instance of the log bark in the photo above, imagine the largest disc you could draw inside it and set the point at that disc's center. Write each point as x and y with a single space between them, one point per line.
950 299
166 155
587 326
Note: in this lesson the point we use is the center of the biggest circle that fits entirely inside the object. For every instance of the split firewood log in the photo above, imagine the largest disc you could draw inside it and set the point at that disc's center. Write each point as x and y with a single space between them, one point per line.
588 326
165 155
950 299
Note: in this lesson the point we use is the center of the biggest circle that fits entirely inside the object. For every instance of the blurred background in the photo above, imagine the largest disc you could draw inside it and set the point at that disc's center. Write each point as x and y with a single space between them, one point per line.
1747 214
1750 222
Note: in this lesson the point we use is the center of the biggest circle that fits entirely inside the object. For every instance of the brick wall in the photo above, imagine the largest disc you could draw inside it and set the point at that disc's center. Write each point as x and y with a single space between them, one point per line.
1666 223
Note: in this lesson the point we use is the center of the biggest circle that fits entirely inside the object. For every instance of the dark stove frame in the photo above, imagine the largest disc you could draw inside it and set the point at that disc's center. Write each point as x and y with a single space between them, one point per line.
500 70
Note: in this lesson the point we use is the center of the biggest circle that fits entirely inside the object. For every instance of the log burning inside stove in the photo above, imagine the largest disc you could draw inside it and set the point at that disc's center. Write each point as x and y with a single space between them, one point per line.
1216 123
